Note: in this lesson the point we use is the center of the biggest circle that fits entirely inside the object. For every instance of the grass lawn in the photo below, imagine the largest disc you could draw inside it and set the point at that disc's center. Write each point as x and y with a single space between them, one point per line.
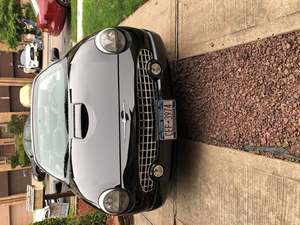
74 20
99 14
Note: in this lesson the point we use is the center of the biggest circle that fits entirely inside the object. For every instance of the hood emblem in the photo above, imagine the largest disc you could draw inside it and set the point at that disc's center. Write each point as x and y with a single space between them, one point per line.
124 119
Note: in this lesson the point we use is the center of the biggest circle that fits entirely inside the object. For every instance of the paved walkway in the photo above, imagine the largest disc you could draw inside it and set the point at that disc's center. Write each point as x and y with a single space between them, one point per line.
217 185
193 27
79 20
223 186
220 186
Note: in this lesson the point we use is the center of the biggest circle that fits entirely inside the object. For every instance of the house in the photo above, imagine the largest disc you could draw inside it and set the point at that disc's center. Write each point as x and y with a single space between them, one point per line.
13 182
13 196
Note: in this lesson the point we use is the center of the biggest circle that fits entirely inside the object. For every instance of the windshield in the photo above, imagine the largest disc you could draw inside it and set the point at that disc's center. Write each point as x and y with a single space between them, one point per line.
49 119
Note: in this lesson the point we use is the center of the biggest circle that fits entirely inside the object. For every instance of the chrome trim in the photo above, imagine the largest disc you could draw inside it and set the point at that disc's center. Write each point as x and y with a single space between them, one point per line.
102 196
32 119
154 54
124 120
146 98
101 200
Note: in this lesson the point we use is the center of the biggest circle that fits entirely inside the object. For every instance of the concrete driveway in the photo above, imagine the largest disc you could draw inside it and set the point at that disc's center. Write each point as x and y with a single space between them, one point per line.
214 185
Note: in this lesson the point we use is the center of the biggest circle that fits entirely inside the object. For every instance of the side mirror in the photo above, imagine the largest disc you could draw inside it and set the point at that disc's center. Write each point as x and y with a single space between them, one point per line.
54 54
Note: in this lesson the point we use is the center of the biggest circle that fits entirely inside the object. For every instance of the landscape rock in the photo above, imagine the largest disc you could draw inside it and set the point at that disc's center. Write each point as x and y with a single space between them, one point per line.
244 98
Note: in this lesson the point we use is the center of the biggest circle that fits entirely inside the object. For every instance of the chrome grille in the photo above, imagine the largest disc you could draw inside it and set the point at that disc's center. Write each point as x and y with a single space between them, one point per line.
146 95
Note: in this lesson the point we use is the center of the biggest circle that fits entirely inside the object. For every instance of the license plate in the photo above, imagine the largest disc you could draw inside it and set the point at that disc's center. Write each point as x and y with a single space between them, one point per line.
167 120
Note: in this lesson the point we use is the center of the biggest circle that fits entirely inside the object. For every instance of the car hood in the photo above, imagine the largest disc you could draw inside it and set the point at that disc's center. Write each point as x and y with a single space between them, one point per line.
93 84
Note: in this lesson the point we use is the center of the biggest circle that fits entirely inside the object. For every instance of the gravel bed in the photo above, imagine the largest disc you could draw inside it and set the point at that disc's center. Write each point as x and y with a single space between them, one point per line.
245 95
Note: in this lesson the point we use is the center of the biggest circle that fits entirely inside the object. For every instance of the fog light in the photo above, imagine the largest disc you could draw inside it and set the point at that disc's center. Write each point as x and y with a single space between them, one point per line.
154 69
157 171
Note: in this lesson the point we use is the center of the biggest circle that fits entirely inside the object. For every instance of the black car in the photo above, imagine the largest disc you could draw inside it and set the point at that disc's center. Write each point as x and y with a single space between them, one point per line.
104 120
37 173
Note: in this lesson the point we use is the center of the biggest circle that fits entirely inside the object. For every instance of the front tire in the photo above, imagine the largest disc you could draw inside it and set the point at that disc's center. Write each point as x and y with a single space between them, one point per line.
64 3
40 175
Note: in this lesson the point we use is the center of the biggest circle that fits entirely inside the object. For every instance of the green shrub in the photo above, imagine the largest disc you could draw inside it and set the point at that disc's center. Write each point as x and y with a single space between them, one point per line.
93 218
28 11
21 154
10 16
54 221
14 161
20 159
16 124
10 29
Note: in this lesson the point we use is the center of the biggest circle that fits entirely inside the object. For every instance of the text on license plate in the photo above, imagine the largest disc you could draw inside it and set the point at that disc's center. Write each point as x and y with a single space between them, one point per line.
167 119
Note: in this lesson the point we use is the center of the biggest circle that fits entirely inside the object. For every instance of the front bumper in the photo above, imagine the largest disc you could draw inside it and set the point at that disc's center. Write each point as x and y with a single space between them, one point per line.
146 194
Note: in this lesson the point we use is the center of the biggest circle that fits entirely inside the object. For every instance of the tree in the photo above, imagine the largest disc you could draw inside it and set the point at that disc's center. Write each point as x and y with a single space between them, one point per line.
16 123
10 28
28 11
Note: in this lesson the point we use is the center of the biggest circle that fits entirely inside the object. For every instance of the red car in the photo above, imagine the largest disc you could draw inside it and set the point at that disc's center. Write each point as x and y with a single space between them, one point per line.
51 14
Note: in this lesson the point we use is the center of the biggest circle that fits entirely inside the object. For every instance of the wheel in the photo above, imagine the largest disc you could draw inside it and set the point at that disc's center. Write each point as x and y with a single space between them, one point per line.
64 3
58 187
39 175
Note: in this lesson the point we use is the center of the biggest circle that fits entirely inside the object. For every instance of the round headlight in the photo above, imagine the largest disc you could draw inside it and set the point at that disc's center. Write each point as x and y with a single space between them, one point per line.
114 201
111 40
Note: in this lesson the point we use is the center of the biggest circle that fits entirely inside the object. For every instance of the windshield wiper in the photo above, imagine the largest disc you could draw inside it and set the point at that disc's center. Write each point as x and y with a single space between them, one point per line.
66 161
66 106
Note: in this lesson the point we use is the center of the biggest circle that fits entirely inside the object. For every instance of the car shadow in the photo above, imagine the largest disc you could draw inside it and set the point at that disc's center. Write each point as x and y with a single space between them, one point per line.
185 161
